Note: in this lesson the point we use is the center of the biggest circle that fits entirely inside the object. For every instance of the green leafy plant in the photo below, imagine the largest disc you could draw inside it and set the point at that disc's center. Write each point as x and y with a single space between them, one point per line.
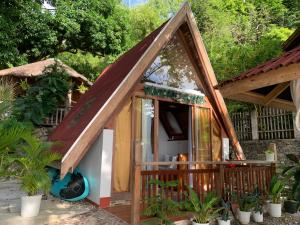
291 174
24 84
225 210
269 151
44 96
204 211
7 97
82 88
246 202
160 206
11 133
32 158
276 189
257 201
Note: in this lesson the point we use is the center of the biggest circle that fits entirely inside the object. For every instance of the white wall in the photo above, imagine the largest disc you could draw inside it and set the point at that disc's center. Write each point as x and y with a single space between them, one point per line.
90 167
106 164
96 166
167 147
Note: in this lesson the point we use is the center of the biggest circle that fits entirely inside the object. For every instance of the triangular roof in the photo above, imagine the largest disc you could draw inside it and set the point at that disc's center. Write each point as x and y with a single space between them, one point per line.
37 68
86 120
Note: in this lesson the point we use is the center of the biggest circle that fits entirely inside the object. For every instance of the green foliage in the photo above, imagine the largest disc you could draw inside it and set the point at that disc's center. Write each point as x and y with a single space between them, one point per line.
291 175
276 189
82 88
258 200
7 97
246 202
225 210
44 96
32 158
204 211
11 133
160 206
95 26
87 64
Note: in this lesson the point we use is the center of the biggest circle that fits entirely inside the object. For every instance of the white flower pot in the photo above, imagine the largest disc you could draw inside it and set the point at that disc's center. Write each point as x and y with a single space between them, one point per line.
270 157
275 210
30 205
194 223
244 217
258 217
223 222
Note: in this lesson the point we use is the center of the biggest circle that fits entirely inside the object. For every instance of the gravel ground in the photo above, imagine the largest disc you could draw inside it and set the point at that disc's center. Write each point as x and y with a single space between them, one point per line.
93 217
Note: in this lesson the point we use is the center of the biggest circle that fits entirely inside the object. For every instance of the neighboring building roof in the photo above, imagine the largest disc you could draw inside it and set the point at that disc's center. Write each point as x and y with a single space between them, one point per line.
293 41
285 59
37 68
87 118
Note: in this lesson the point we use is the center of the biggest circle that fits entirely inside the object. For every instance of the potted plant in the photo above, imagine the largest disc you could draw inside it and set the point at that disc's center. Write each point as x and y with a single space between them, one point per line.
224 219
246 203
290 205
258 215
203 211
270 155
291 176
276 188
160 206
32 158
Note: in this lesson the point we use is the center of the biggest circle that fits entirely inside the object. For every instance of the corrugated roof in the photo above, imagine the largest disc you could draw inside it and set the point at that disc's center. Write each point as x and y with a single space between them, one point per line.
95 98
37 68
285 59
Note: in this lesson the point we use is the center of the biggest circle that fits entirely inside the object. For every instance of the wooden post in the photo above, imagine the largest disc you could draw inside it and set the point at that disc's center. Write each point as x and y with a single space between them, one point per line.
136 195
156 130
254 124
135 168
296 131
221 181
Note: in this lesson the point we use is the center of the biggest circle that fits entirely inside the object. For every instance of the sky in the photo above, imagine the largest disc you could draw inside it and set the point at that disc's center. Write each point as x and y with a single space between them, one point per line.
134 2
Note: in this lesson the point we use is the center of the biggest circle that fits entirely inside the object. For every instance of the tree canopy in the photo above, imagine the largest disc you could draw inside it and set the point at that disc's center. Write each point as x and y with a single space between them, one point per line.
28 33
89 34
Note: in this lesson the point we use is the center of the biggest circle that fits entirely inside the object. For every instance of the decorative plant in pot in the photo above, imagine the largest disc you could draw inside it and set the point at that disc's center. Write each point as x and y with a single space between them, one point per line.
258 202
291 175
270 155
275 191
161 206
246 204
204 211
224 219
32 158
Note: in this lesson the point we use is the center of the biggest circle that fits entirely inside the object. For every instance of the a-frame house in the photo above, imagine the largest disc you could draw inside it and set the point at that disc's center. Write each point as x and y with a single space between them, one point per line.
156 103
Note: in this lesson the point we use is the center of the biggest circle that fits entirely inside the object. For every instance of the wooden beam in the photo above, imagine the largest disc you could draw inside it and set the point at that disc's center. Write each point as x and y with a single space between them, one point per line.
259 99
136 170
156 130
94 128
275 92
210 78
281 75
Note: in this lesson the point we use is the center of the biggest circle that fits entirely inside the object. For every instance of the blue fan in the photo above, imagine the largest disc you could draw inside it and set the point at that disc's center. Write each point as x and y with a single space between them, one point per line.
74 186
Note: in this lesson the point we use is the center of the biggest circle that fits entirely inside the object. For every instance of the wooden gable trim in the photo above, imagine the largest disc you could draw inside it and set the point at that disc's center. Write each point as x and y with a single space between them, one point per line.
256 98
210 79
275 92
281 75
94 128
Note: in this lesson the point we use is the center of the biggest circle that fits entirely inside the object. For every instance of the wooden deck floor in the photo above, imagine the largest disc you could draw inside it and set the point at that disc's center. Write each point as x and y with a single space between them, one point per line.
121 211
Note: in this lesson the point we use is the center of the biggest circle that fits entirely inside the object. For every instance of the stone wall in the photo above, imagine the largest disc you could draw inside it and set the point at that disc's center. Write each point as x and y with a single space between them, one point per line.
254 149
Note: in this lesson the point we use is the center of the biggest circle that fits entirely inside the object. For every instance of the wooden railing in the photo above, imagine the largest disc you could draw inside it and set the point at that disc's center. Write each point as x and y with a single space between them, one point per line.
223 178
55 118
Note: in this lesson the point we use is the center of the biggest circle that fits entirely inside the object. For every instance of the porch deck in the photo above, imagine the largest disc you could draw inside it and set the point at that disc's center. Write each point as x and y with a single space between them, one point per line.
226 179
